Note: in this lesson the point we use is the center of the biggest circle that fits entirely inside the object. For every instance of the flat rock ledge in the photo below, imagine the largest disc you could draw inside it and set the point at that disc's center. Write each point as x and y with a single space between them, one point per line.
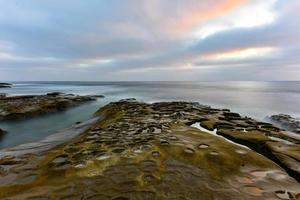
20 107
152 151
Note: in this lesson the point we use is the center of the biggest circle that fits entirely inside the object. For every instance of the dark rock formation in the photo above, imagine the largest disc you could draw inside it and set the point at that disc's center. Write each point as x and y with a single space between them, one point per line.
2 132
19 107
286 122
150 151
5 85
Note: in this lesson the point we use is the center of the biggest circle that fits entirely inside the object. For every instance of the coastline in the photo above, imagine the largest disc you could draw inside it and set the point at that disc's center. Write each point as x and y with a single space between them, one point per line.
50 141
149 139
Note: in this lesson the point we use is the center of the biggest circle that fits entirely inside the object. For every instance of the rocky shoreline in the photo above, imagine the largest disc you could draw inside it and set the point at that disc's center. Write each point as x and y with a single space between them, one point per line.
152 151
21 107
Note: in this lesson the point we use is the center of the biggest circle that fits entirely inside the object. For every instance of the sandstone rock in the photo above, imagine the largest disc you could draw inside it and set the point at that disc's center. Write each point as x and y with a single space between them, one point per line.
116 159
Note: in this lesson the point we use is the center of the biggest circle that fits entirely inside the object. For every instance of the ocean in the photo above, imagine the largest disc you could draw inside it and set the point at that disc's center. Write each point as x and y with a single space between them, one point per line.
249 98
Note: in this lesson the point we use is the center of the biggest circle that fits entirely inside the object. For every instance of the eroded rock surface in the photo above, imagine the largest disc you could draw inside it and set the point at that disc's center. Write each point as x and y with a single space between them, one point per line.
150 151
264 138
286 122
18 107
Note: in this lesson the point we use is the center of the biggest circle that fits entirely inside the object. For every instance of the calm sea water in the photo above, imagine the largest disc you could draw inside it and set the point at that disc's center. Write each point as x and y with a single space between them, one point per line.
254 99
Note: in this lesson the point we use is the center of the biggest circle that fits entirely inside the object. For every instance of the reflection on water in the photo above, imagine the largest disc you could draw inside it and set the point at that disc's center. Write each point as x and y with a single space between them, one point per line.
255 99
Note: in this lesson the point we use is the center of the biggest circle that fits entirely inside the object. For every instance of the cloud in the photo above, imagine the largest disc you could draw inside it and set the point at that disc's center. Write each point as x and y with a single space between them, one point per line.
112 40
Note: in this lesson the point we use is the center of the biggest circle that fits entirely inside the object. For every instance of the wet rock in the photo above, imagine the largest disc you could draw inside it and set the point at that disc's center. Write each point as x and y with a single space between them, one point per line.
2 132
231 116
124 156
54 94
286 122
60 163
10 161
18 107
96 96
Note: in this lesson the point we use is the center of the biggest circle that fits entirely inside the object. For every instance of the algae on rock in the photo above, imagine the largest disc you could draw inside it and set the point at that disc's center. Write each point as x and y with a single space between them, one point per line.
150 151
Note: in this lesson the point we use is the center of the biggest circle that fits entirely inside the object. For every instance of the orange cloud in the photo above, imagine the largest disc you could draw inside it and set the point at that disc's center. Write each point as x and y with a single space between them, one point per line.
199 14
242 53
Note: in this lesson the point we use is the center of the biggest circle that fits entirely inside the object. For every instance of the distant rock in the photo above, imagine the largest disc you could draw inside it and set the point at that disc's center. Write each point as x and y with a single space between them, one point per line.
54 94
286 122
19 107
5 85
2 132
97 96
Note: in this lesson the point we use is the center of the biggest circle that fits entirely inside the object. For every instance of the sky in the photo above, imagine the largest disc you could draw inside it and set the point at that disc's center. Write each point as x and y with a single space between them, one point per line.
149 40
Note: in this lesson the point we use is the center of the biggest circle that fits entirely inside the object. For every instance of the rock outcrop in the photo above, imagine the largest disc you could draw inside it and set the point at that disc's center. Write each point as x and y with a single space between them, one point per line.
151 151
5 85
286 122
20 107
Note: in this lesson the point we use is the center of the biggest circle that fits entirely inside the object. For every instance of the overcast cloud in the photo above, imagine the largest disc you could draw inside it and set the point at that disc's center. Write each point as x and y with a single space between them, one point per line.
149 40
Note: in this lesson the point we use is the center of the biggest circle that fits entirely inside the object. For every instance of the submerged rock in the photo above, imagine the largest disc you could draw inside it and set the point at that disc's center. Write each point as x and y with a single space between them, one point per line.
120 157
19 107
